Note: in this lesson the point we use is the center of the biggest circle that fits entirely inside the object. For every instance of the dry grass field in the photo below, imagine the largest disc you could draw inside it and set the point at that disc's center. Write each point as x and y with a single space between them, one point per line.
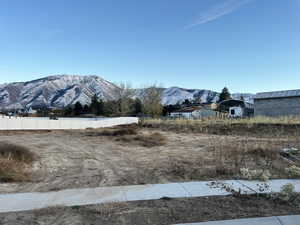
155 152
252 127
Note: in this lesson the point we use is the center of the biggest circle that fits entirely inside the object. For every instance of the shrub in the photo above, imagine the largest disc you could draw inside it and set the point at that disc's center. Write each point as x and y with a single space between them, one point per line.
15 161
114 132
13 171
287 192
293 171
152 140
263 175
107 209
146 140
120 132
16 152
267 151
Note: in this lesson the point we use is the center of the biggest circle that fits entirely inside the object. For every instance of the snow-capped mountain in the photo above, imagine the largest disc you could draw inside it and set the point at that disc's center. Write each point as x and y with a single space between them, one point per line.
55 91
246 96
63 90
176 95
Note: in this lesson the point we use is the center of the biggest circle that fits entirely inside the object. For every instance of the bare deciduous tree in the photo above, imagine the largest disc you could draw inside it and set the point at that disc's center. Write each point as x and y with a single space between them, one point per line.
151 99
124 94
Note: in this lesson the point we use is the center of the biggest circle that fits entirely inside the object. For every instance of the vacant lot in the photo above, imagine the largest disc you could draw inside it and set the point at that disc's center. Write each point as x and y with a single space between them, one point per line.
134 155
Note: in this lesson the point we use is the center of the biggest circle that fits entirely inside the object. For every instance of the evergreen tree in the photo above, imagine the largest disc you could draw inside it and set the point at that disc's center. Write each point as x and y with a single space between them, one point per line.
197 100
86 109
78 109
68 111
137 107
170 108
111 108
187 102
100 108
94 104
225 95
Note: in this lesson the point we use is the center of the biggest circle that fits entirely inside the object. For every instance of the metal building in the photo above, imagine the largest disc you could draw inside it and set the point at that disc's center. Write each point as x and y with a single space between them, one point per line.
278 103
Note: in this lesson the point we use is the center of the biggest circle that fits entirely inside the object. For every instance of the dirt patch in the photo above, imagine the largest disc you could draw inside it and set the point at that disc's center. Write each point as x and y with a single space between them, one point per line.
158 212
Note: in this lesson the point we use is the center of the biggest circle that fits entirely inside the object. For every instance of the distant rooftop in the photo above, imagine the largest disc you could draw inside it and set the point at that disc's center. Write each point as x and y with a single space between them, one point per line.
278 94
188 109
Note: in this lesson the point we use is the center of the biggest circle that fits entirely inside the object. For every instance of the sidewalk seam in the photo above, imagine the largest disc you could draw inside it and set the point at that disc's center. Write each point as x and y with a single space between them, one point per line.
279 220
246 186
189 194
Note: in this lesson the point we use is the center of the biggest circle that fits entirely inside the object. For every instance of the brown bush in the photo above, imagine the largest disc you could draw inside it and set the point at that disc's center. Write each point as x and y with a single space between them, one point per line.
266 152
15 162
13 171
122 131
106 210
230 157
145 140
152 140
16 152
119 132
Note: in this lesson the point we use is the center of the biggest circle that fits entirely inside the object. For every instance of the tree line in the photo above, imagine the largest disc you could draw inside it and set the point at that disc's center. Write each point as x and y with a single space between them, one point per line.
129 102
125 103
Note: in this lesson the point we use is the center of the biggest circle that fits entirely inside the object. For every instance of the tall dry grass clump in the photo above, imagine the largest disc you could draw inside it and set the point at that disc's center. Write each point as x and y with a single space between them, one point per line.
116 131
130 134
16 152
15 162
146 140
151 140
249 159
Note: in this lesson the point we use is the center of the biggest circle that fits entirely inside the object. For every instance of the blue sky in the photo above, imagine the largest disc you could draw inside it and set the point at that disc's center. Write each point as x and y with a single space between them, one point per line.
247 45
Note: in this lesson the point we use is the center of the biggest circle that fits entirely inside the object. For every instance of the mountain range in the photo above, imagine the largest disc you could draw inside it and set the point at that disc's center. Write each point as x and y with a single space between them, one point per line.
60 91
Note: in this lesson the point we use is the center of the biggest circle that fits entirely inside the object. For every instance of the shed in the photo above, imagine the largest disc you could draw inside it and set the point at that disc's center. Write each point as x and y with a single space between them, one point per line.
277 103
237 108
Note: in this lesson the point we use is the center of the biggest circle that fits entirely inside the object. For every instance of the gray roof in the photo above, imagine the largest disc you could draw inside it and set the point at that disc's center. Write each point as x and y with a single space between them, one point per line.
278 94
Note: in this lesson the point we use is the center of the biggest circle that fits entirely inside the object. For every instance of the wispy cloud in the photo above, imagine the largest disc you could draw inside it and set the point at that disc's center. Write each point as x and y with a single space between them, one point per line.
217 11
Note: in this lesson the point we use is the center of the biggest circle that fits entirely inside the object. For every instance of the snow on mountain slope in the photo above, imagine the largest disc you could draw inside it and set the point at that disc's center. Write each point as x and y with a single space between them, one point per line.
63 90
55 91
176 95
246 96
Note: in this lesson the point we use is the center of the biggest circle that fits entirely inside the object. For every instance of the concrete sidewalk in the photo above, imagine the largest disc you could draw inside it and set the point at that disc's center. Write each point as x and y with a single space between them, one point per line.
88 196
280 220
